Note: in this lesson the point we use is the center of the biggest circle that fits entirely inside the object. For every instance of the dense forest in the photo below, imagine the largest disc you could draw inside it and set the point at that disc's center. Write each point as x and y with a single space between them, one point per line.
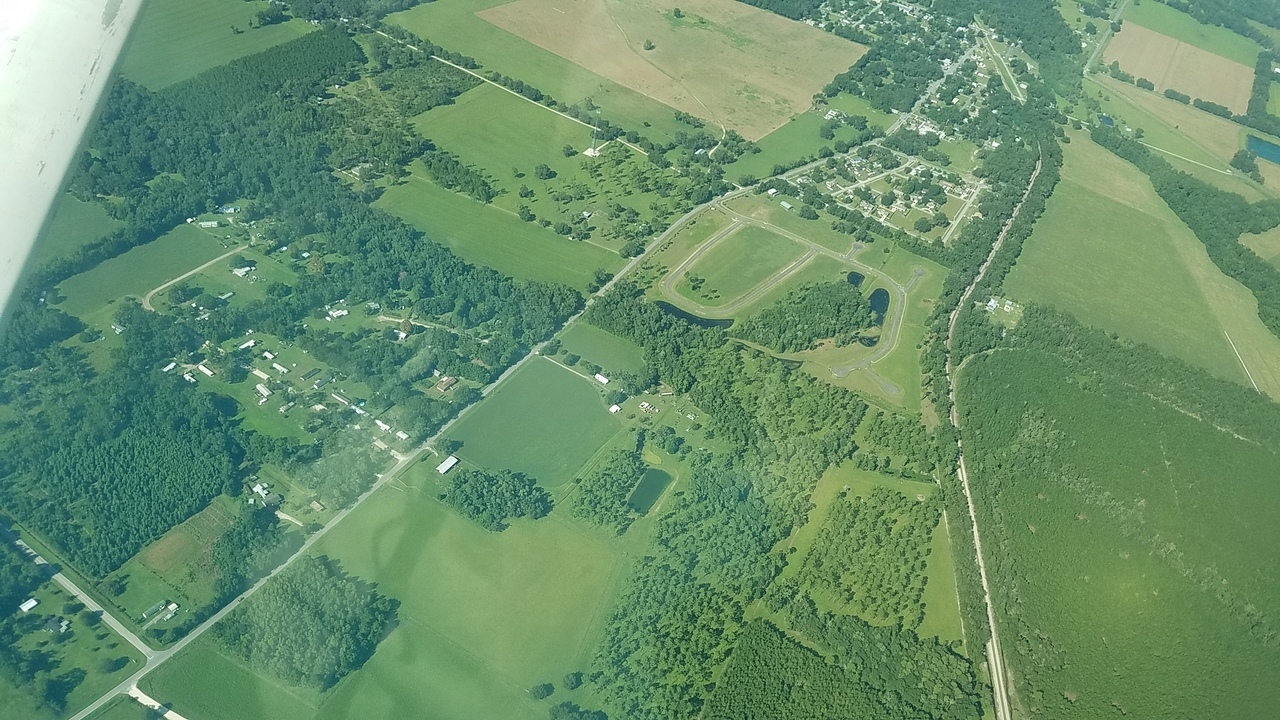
836 311
493 498
311 625
603 493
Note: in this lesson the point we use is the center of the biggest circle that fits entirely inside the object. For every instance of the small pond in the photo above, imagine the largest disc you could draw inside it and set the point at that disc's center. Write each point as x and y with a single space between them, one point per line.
1264 149
648 490
1106 120
690 317
855 279
880 304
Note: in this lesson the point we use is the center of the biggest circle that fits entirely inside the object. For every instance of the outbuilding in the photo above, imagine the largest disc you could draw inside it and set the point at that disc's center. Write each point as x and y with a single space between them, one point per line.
447 465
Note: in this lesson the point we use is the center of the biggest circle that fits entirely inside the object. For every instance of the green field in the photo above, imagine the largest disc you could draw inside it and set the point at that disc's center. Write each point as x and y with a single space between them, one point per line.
487 235
1109 251
1163 514
496 130
738 263
456 26
122 708
545 421
799 138
140 270
1181 26
74 224
602 348
179 39
483 617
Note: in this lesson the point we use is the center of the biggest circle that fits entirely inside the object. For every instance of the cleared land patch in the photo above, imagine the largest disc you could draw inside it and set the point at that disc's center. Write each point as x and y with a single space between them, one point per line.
545 421
777 64
1161 18
1171 63
1109 251
74 223
602 348
1266 245
179 39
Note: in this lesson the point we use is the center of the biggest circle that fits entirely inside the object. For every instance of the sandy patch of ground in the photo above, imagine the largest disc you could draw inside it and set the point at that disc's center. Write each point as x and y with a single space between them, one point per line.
724 61
55 59
1172 64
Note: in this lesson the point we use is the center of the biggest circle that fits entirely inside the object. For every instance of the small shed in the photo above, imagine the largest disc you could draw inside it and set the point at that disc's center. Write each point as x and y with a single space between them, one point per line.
602 379
786 205
29 605
614 409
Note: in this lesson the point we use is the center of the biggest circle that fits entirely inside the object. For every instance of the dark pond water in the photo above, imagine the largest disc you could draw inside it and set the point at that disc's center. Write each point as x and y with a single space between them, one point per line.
880 304
855 279
1264 149
1106 120
690 317
648 490
869 341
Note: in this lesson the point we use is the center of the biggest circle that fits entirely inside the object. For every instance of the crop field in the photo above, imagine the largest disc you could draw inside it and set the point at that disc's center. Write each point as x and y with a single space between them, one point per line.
178 39
456 26
483 617
737 264
1109 251
545 421
139 270
74 224
487 235
1161 18
602 348
777 64
1152 609
1171 63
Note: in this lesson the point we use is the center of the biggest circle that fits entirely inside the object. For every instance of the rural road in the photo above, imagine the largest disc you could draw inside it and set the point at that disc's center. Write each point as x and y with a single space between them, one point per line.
146 299
995 657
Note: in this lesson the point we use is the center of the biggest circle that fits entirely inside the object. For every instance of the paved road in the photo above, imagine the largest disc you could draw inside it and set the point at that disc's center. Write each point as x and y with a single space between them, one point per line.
995 657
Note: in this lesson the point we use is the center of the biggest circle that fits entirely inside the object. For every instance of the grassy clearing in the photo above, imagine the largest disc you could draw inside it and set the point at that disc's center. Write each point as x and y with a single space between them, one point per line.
1182 27
456 26
487 235
483 617
1123 482
799 137
122 708
602 348
737 264
1108 251
545 421
1266 245
74 224
767 209
140 270
178 39
677 248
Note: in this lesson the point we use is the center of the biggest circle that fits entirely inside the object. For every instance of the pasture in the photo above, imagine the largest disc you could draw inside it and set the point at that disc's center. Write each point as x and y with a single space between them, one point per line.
776 65
1161 18
487 235
1172 63
545 421
1266 245
1109 251
736 265
457 26
1152 610
483 617
602 348
178 39
72 225
139 270
798 137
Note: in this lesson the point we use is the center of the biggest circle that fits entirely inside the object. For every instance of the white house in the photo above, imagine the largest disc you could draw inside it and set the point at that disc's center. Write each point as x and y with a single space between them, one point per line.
447 465
613 409
279 368
382 426
260 374
602 379
263 390
248 344
29 605
402 435
169 367
205 370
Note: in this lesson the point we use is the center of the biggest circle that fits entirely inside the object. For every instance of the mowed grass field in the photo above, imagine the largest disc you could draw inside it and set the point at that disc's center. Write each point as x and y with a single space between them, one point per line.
799 137
1172 63
179 39
1109 251
730 63
487 235
139 270
602 347
738 263
1266 245
483 617
74 224
544 421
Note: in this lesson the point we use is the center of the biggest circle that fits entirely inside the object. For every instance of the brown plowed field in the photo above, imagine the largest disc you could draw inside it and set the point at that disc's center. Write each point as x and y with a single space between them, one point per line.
1172 64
